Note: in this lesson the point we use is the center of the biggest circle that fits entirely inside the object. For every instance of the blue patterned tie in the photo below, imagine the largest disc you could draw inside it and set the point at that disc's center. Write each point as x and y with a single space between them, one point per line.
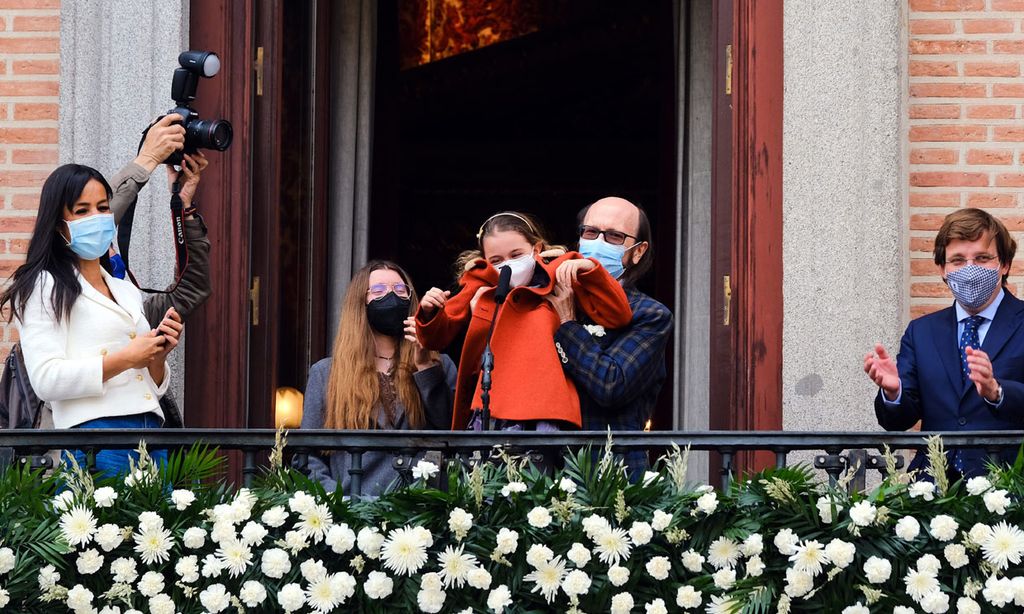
969 338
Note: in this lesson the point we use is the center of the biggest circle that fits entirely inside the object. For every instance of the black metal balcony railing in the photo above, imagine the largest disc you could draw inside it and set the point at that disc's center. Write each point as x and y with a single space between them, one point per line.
839 450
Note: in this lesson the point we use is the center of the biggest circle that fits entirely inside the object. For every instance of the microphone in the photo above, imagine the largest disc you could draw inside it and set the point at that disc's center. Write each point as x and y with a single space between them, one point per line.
504 281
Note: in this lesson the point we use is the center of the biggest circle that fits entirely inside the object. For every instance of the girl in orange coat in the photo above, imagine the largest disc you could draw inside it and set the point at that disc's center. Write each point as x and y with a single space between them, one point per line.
529 388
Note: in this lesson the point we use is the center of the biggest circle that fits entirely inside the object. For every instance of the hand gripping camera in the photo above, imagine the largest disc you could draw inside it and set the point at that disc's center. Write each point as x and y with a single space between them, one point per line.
199 133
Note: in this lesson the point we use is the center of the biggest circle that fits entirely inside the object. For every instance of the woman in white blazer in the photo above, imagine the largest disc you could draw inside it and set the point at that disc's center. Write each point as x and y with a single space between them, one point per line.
88 348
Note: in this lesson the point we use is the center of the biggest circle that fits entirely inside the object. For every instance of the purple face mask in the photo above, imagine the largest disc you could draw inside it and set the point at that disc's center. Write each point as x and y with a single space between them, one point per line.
973 285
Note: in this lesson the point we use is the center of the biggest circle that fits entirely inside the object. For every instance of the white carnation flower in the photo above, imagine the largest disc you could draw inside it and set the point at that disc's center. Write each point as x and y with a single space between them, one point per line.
753 545
724 578
978 485
512 487
124 570
929 563
296 541
708 502
966 605
841 553
89 562
430 601
902 609
313 570
252 594
479 578
622 603
659 567
63 501
274 517
212 567
151 583
275 563
369 541
567 485
863 513
980 532
507 541
935 602
593 525
109 537
300 502
194 538
378 585
997 501
7 560
187 568
656 606
576 582
943 527
998 591
460 522
618 575
340 538
291 597
877 570
857 608
79 599
925 490
182 499
150 521
798 583
499 599
48 578
641 533
661 520
578 554
539 517
539 554
956 555
253 533
693 561
688 598
161 604
424 470
104 496
786 541
826 506
215 598
755 566
908 528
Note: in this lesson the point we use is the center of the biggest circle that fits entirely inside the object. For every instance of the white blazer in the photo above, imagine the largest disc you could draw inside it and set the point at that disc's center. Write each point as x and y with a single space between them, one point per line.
65 359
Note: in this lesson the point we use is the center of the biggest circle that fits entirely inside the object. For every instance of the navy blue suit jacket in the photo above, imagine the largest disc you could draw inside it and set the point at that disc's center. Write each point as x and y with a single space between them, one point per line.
935 393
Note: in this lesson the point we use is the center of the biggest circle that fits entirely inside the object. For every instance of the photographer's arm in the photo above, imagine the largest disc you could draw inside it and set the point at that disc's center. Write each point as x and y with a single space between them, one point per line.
163 138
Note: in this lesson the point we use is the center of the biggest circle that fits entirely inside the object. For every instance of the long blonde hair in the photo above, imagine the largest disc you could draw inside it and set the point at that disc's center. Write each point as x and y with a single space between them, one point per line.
515 221
353 386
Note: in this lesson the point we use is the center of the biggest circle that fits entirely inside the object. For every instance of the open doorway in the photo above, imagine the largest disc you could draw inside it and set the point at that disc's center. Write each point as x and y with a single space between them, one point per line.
576 100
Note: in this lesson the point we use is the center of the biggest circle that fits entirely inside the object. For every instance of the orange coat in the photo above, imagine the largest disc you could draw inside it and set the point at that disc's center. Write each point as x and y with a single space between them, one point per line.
528 382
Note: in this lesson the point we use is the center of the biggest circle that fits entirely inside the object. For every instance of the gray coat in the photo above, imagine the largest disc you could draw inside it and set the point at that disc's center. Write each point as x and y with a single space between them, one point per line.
436 386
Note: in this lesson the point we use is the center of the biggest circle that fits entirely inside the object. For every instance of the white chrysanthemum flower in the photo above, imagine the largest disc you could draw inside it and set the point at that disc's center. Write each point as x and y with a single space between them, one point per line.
956 555
622 603
978 485
369 541
291 597
404 551
996 501
77 525
567 485
340 538
661 520
966 605
424 470
618 575
252 594
547 578
578 554
378 585
187 568
925 490
935 602
708 502
753 545
215 598
430 601
275 563
998 591
863 513
908 528
63 501
657 606
301 501
454 565
943 527
1004 545
212 567
641 533
499 598
827 508
810 557
124 570
109 536
688 597
857 608
659 567
161 604
693 561
929 563
539 517
89 562
182 499
479 578
153 544
724 604
507 541
7 560
330 591
723 552
512 487
235 557
576 583
877 570
593 525
755 566
786 541
920 583
538 554
104 496
460 522
274 517
611 546
841 553
798 583
724 578
151 583
315 522
79 599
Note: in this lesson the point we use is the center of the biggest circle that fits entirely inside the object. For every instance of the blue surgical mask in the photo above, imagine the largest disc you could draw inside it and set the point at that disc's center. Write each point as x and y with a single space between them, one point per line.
610 256
972 285
91 236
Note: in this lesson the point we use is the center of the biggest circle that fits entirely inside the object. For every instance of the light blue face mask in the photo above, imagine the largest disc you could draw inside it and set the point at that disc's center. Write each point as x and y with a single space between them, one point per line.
610 256
91 236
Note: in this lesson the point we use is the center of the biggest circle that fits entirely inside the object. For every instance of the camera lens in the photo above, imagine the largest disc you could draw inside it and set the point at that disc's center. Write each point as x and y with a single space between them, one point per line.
209 134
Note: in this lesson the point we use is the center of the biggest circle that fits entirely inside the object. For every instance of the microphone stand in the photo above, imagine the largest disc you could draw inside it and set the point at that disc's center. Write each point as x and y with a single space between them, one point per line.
500 293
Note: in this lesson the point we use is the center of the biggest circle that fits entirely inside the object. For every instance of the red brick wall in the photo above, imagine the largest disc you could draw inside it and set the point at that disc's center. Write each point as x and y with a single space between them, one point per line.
29 71
966 129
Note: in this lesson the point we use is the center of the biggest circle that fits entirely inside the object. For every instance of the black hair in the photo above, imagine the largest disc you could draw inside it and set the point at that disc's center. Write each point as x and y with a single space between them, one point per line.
47 250
634 272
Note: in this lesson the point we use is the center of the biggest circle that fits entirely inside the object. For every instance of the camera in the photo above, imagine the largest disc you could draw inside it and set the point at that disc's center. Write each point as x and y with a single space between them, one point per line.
199 133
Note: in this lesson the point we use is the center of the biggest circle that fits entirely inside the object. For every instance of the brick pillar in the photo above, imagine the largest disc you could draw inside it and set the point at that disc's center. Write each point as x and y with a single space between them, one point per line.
29 71
966 135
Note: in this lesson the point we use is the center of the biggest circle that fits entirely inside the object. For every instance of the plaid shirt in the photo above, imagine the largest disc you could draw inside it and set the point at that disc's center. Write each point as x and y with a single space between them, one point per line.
619 375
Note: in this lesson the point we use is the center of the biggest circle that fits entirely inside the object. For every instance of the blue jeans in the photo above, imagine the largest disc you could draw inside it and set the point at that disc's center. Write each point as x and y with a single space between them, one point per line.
110 463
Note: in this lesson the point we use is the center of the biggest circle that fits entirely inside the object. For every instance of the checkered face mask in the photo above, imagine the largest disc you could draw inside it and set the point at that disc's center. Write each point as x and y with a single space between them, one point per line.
973 285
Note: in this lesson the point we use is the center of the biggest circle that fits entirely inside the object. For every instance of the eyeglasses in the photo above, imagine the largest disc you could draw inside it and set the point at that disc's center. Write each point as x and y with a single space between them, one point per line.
378 290
614 237
981 260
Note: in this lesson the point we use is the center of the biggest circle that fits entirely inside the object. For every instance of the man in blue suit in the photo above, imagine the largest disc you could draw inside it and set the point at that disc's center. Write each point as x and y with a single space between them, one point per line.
961 368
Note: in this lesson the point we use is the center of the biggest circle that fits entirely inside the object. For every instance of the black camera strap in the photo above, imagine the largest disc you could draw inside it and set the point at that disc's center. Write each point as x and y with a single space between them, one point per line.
180 245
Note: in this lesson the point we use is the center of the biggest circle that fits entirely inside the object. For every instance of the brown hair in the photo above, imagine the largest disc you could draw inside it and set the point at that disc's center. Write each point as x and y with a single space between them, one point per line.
353 386
515 221
970 225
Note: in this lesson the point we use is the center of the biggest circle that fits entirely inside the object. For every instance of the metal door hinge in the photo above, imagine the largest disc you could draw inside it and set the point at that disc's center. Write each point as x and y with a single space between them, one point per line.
728 70
727 299
254 301
259 71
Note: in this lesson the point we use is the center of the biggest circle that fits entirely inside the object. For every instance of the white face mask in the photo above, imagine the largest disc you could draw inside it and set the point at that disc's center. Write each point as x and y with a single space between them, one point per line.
522 269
